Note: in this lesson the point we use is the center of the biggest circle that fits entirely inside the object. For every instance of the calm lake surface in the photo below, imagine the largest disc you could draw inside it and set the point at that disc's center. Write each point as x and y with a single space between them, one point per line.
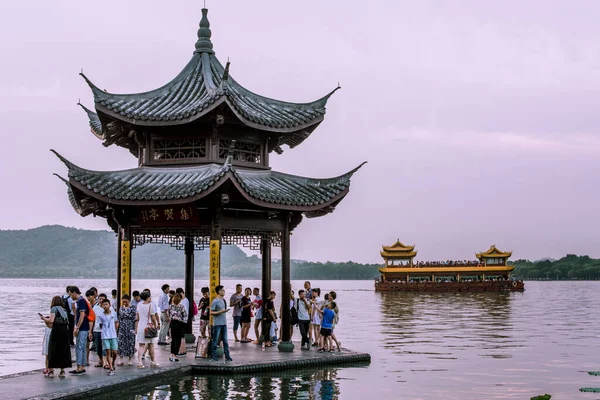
423 346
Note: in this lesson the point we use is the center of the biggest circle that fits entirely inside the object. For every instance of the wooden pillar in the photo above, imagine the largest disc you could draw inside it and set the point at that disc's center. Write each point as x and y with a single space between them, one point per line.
265 249
432 277
189 278
215 258
123 264
286 344
458 277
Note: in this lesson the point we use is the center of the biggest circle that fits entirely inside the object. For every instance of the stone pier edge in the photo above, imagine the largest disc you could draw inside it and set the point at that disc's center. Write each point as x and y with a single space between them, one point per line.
220 368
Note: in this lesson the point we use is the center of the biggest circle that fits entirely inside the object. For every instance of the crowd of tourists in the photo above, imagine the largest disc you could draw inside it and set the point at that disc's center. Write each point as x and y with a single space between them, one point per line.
447 263
92 322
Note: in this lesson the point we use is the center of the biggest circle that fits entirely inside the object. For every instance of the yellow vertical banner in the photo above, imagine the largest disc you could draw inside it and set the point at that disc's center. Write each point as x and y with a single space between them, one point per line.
125 271
215 265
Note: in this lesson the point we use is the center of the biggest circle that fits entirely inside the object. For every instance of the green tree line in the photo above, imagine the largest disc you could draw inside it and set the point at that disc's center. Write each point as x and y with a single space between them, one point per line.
568 267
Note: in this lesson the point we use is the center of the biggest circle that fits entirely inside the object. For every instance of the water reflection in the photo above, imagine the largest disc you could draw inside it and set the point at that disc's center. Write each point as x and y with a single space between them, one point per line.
286 385
438 325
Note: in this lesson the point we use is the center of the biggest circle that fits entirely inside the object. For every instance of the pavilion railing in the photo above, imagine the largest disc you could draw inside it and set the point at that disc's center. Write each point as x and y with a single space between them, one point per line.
175 237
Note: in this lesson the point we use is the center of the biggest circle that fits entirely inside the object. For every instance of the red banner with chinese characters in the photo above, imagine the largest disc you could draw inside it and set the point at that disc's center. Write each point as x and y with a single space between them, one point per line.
169 216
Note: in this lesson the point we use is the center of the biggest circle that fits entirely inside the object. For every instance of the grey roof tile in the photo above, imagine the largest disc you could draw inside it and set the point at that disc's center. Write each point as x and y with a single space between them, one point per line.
166 183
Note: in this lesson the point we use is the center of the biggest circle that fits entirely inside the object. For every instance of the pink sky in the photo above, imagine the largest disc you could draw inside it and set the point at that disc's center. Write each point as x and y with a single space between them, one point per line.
479 119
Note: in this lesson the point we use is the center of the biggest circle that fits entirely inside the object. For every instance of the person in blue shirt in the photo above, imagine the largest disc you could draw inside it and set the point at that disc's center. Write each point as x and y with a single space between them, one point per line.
327 317
81 330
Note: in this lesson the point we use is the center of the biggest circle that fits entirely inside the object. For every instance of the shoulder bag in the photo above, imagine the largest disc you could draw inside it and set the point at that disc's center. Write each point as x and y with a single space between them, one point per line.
150 331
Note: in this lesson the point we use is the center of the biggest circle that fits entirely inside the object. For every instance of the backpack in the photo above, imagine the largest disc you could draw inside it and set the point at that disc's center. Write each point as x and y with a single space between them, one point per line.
91 315
294 314
66 298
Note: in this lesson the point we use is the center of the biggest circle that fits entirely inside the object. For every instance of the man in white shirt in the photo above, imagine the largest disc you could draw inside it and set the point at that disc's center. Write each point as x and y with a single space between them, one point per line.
163 306
98 331
235 303
257 306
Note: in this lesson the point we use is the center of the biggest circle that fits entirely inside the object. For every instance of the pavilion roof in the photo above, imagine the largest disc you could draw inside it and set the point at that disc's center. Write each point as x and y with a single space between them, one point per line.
398 247
199 88
493 252
171 185
397 254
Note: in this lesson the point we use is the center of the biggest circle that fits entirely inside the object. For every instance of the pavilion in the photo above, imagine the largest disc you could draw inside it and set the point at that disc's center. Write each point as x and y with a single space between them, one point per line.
203 143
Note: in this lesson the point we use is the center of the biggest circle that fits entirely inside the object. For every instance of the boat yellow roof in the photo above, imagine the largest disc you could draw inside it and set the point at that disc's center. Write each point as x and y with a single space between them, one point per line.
493 252
397 254
398 246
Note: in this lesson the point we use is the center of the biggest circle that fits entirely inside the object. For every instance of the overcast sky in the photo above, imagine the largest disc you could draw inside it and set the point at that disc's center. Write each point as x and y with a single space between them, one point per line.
478 119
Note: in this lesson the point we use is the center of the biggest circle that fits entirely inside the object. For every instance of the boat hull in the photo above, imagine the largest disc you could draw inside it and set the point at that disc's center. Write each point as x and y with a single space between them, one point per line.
490 286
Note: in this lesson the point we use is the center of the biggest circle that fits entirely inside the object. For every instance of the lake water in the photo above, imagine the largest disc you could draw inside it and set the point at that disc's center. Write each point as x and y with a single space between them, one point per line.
423 346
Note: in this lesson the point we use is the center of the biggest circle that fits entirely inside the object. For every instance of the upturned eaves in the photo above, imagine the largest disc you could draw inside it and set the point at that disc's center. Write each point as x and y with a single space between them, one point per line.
168 185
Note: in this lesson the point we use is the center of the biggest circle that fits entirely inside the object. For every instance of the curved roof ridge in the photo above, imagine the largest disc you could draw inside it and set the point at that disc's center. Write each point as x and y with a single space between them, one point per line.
94 122
249 172
319 103
152 169
184 73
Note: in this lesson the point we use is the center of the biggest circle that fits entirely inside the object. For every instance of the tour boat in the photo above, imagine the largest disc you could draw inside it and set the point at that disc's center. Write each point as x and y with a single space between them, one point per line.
490 273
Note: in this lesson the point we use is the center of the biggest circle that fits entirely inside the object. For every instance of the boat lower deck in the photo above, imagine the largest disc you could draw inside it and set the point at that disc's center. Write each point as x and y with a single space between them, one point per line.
428 286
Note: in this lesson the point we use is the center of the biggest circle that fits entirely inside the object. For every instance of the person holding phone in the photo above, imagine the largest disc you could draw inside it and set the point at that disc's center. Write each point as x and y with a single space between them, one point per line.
59 349
218 308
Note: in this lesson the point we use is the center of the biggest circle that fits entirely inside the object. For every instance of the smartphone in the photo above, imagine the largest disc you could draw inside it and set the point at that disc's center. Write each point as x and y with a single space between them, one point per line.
40 314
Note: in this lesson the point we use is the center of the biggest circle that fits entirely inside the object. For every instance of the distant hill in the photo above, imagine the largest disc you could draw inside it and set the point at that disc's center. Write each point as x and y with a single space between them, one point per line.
59 252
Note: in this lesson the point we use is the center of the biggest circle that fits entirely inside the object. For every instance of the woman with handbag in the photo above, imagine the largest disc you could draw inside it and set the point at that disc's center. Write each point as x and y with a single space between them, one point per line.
59 350
146 329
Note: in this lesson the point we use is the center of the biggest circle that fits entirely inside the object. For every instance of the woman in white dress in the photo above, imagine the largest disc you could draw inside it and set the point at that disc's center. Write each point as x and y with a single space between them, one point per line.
143 316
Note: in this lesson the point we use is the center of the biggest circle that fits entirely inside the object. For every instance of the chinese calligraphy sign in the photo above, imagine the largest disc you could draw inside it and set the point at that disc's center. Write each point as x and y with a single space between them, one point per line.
215 273
125 271
176 215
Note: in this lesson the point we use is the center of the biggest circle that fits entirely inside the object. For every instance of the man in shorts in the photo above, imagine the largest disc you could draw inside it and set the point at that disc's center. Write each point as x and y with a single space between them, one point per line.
98 310
204 309
109 323
326 326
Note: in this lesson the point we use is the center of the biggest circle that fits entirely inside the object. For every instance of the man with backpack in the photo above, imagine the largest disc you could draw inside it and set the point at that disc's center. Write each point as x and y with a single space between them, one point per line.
81 331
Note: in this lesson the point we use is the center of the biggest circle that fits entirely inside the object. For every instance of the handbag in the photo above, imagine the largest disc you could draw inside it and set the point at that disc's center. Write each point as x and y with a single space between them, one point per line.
150 331
202 348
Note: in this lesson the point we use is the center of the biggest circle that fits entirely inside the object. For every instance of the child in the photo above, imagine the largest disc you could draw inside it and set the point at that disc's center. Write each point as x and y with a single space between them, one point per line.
204 311
328 316
109 324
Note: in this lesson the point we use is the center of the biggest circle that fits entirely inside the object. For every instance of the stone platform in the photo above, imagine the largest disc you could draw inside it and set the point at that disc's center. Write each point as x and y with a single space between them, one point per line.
247 358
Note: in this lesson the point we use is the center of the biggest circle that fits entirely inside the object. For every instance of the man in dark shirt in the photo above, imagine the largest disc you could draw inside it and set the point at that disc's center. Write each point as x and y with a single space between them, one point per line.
268 317
81 330
204 311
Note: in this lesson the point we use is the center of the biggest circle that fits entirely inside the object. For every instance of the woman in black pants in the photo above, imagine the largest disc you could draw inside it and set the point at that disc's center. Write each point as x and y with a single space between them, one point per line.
176 316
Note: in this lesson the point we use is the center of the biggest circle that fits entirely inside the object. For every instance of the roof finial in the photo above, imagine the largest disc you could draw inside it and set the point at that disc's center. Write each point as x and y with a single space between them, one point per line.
226 71
204 45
